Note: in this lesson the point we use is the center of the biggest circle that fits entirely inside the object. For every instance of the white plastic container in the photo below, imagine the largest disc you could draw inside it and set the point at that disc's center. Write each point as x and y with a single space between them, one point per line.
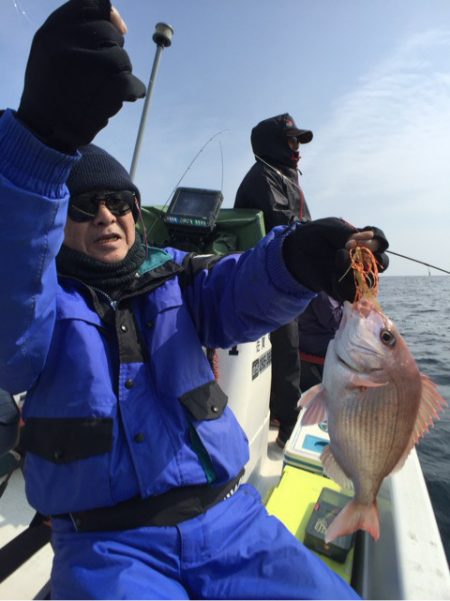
245 377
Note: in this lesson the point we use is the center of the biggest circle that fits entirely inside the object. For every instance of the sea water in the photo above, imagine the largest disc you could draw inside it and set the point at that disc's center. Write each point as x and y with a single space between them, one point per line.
420 308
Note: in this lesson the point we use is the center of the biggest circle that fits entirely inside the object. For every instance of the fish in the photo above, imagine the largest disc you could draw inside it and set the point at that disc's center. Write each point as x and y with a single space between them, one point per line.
377 405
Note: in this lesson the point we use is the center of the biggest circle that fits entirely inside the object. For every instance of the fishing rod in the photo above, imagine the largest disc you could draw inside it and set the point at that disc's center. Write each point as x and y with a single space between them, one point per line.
289 181
391 252
194 159
160 216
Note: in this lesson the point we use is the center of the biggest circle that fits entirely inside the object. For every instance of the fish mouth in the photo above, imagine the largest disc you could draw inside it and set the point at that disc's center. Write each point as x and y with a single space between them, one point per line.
346 364
372 371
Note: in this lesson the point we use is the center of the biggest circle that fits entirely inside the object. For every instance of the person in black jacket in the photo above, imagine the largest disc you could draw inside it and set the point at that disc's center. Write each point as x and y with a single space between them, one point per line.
272 186
317 325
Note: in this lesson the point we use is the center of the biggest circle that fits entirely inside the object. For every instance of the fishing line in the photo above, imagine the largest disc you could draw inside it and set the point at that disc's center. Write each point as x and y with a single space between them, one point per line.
160 217
20 10
391 252
289 181
275 170
221 159
193 161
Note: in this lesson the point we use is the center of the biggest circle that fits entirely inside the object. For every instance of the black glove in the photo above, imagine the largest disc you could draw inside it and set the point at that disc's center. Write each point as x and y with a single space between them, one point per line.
78 75
383 244
315 255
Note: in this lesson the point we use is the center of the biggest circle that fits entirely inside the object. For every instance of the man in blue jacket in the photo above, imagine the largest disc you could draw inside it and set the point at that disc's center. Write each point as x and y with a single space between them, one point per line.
131 447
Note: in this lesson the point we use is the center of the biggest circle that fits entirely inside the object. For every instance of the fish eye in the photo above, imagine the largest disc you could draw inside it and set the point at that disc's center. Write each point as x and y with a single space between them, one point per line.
387 337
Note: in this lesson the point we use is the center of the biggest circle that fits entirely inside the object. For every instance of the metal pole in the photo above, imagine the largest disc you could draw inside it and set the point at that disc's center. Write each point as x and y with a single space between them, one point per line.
137 147
163 39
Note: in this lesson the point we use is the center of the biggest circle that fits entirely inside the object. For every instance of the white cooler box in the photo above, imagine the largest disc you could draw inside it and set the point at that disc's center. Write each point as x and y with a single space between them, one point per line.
305 446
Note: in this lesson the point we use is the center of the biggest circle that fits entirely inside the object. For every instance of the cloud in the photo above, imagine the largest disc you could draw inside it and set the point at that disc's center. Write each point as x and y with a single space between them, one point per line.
383 155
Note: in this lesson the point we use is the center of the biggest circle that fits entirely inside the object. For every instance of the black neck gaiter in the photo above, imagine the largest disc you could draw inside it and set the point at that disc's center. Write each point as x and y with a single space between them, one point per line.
112 278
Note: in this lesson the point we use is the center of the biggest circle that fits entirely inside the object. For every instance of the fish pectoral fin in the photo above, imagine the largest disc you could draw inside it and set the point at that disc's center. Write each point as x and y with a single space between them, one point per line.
314 401
333 469
431 404
308 396
364 381
355 516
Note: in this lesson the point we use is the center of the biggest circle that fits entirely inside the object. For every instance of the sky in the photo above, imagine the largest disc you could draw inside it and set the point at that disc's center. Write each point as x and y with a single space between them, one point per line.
370 79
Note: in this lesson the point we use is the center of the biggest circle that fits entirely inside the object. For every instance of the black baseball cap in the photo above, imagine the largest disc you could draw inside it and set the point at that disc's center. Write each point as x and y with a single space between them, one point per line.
303 135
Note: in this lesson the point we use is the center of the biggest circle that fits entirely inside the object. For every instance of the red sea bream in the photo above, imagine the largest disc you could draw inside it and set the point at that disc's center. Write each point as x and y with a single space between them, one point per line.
377 404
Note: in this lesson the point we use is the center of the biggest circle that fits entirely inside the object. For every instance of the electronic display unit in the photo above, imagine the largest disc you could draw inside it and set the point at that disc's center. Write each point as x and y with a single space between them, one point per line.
193 210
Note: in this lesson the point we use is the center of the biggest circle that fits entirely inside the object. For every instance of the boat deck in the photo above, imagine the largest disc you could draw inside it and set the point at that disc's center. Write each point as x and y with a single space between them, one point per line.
408 562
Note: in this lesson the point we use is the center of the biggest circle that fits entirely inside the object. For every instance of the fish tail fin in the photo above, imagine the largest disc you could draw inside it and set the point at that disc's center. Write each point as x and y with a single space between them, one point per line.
355 516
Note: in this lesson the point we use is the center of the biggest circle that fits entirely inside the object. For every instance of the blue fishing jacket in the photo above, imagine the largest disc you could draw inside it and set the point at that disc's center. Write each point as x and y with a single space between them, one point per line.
121 399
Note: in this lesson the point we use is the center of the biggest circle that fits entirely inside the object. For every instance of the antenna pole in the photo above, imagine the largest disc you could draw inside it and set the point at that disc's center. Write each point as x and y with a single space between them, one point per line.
163 39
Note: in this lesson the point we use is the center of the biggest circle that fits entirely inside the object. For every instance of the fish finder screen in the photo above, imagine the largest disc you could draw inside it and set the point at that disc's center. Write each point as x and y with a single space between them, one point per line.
195 203
194 208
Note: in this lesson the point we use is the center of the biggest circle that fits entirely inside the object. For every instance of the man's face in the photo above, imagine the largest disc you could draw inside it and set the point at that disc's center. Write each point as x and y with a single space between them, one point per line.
293 142
105 237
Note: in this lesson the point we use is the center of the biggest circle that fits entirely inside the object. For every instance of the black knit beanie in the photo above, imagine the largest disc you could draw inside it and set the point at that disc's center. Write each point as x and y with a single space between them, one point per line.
98 170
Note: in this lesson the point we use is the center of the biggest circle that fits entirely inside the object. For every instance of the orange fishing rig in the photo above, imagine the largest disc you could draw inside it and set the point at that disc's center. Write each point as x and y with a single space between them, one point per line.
365 273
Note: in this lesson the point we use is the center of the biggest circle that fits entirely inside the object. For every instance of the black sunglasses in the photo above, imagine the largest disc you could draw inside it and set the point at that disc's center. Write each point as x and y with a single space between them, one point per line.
85 206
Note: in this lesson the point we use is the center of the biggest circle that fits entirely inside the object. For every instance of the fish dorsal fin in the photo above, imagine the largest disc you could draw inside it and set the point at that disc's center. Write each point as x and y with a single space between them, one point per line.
431 403
314 401
333 469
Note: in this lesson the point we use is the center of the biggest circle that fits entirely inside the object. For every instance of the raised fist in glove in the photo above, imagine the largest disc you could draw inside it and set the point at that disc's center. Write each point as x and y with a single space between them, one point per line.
78 74
316 254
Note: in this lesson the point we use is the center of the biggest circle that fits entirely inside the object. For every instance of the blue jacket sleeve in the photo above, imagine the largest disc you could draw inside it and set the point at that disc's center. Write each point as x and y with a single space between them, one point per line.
33 207
243 296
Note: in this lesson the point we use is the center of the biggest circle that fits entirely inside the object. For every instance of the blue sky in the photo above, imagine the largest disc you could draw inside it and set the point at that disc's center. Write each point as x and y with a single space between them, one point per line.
371 79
